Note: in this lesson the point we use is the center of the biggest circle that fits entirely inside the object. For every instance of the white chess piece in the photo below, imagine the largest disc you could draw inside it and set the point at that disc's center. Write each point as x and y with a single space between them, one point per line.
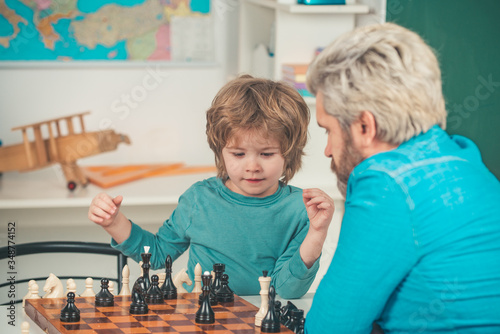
111 287
30 283
264 281
125 281
53 287
33 294
71 286
180 278
89 288
161 279
197 279
142 270
25 327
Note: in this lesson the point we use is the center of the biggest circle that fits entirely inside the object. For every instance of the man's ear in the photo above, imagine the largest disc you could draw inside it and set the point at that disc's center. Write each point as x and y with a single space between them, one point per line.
364 130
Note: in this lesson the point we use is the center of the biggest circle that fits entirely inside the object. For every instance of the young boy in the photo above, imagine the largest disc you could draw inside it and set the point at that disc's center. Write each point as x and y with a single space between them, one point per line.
247 217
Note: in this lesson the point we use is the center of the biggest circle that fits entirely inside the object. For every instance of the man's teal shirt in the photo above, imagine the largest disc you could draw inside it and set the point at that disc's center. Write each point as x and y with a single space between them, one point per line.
419 247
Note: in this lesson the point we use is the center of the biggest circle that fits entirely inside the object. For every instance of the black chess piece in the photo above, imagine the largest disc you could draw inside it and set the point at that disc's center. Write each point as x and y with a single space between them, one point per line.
300 328
138 305
70 313
104 297
146 265
286 313
205 314
154 294
218 271
296 315
212 294
277 310
225 294
271 323
168 288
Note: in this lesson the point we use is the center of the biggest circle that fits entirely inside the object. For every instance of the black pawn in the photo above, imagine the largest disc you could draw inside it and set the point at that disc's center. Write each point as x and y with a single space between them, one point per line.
168 288
145 269
205 314
70 313
225 294
138 305
154 294
277 310
104 297
271 323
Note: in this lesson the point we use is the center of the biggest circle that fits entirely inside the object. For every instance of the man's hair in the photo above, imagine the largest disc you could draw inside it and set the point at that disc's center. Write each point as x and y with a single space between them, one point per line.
271 108
387 70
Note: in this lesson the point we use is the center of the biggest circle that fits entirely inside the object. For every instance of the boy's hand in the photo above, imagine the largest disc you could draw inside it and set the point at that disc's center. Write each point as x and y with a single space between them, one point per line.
320 208
104 209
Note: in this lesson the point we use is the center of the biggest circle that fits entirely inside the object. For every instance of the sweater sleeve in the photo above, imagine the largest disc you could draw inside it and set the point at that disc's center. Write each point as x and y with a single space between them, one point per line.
291 277
171 239
375 252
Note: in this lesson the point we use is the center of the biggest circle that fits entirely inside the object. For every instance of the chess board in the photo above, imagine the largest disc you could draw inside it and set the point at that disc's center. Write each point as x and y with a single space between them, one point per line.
175 316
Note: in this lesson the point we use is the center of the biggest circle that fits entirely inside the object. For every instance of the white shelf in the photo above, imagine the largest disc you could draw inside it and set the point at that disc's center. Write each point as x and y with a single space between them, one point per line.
293 32
312 9
46 188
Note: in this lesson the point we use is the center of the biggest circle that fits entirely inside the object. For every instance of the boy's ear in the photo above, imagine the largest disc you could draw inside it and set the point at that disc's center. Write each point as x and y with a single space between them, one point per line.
364 130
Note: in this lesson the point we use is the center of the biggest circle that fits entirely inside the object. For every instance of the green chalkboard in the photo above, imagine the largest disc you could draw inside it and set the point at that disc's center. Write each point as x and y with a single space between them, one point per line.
466 37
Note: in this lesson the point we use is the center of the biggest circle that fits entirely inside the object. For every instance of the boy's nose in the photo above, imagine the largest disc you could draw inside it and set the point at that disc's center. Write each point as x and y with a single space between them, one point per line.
253 166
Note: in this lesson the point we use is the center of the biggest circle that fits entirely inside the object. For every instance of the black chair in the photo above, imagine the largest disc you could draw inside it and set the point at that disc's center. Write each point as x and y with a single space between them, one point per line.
62 247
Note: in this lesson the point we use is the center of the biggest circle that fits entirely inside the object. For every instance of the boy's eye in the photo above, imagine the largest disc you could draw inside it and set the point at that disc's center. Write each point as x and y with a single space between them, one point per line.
268 154
238 154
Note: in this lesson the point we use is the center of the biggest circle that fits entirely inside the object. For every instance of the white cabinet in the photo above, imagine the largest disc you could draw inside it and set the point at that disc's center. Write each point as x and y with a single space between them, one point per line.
294 30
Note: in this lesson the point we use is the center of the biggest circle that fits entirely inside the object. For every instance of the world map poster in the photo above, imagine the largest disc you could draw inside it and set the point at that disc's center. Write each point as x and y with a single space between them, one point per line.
105 30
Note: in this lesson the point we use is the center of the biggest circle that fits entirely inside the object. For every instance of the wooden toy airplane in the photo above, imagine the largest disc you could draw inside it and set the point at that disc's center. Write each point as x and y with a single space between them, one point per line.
58 148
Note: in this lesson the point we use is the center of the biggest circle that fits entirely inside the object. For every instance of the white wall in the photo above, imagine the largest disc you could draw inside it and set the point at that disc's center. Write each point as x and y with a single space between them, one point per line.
161 109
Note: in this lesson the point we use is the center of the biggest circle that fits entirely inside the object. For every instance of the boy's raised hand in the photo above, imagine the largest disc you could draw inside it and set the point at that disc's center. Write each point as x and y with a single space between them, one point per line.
320 208
104 209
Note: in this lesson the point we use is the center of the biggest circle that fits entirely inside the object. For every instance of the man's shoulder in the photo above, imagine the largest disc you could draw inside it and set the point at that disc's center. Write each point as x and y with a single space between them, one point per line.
427 150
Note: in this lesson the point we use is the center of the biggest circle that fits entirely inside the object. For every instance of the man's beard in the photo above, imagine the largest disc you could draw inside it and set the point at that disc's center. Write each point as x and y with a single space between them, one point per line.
349 158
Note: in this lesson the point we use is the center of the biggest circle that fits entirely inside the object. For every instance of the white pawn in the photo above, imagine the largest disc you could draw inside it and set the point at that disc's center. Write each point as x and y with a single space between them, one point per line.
197 279
30 283
71 286
89 288
25 327
264 281
125 281
33 292
111 287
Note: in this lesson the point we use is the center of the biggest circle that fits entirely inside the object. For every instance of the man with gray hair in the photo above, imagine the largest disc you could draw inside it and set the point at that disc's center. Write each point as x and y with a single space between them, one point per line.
419 248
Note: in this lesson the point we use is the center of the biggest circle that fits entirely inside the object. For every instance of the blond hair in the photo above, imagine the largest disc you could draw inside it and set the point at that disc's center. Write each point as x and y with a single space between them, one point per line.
272 108
387 70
